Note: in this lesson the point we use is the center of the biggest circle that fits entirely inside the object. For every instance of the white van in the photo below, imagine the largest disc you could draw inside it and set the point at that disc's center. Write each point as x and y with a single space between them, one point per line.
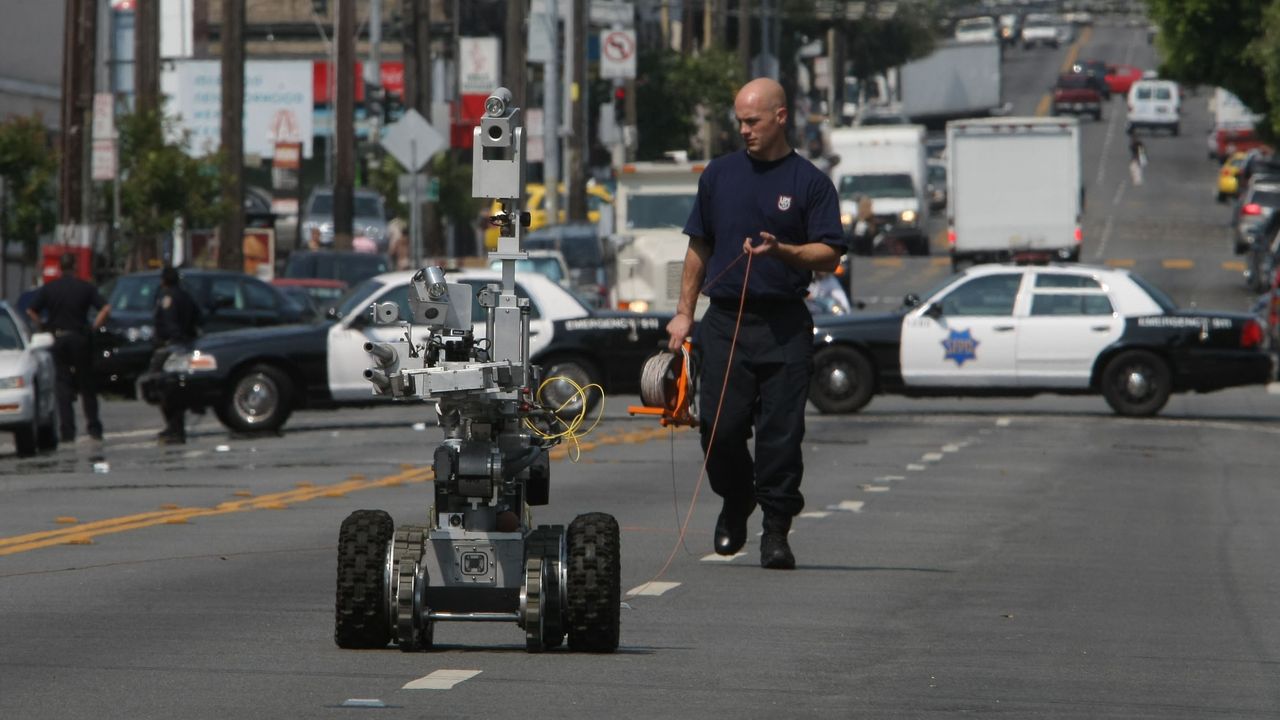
1154 104
977 29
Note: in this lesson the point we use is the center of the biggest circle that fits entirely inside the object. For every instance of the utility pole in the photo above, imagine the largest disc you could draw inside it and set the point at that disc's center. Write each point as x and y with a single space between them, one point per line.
577 139
418 94
146 55
79 40
744 36
344 126
551 118
231 232
373 89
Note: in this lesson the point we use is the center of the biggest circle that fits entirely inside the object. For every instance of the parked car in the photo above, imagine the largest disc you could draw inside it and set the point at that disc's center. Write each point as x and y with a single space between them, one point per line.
1155 105
351 268
1122 77
28 404
1018 330
585 252
1228 176
1257 201
1075 93
254 379
369 220
227 300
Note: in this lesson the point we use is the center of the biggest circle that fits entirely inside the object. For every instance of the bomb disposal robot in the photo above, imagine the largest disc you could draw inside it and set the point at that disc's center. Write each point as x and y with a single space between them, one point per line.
478 558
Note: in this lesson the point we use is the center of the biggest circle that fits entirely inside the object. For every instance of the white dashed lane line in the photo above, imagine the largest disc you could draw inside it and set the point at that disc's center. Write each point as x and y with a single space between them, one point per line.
874 488
914 467
848 506
441 680
931 457
715 557
814 514
652 589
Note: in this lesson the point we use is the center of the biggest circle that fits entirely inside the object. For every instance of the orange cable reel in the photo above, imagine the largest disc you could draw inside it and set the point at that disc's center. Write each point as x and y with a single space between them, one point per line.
668 388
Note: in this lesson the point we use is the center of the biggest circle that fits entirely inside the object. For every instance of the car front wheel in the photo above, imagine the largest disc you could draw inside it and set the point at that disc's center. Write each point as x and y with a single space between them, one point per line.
842 380
260 400
1136 384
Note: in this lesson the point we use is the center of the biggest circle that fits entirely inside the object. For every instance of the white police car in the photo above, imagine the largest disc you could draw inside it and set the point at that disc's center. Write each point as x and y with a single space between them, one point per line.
1010 330
255 378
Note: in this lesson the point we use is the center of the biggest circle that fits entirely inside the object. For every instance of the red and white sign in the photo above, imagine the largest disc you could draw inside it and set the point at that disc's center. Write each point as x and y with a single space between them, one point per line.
478 65
103 164
618 54
392 76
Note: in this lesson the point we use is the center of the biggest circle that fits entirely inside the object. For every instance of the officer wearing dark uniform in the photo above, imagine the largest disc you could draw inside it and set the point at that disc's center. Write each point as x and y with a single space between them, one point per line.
772 205
65 304
177 322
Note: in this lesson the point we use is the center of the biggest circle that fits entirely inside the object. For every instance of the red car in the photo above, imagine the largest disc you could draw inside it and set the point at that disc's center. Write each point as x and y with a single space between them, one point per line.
1075 93
1120 77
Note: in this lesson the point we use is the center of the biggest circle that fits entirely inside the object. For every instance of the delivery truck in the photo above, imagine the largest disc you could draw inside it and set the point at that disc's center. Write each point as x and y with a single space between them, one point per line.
888 165
956 80
1014 190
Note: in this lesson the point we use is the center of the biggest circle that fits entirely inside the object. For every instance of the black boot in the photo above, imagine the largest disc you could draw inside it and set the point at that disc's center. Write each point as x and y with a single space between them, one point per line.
731 528
775 551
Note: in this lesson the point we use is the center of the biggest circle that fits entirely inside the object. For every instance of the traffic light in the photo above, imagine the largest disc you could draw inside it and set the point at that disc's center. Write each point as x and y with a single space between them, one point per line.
620 104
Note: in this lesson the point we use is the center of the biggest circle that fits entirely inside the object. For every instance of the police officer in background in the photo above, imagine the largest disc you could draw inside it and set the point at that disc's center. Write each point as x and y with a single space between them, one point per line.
65 304
772 205
177 323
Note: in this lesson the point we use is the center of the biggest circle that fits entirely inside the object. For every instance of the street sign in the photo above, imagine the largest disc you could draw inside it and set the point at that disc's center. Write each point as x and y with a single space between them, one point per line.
428 187
103 163
103 116
611 13
412 141
618 54
478 70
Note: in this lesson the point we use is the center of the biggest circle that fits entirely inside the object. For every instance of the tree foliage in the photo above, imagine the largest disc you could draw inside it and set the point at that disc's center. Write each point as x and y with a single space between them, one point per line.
28 165
670 87
873 45
161 183
1221 43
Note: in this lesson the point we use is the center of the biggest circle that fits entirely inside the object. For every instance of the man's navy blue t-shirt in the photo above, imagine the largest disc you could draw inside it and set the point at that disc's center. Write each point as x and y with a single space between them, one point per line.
739 197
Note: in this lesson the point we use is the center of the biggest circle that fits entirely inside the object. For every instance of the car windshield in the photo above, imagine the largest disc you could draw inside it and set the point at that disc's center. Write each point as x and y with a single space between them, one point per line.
365 205
134 293
666 210
894 185
1266 198
10 338
581 248
357 296
350 268
548 266
1165 302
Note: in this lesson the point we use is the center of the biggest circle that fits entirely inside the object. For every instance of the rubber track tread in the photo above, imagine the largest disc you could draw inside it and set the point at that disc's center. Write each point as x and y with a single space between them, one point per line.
361 612
595 583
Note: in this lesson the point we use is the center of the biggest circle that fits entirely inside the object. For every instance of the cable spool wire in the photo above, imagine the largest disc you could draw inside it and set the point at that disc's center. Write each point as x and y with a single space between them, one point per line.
660 382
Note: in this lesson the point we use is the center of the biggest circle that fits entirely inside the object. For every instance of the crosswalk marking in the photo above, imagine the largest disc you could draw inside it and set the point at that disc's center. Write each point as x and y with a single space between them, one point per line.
441 680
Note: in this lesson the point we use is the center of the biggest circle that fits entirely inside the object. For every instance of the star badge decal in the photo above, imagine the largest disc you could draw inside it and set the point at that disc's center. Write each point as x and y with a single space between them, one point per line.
960 346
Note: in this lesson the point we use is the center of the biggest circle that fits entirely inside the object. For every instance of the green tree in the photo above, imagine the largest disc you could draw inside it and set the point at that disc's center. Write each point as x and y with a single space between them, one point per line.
28 165
874 45
1220 43
1264 51
670 90
160 184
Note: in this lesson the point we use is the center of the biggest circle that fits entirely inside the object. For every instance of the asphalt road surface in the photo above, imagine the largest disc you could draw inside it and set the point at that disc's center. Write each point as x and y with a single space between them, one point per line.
1028 558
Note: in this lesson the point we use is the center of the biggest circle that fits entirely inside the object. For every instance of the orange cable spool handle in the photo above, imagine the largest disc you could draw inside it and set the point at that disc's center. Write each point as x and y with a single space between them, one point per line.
665 388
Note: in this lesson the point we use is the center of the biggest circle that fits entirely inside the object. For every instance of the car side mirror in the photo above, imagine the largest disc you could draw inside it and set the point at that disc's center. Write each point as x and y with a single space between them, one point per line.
42 340
933 311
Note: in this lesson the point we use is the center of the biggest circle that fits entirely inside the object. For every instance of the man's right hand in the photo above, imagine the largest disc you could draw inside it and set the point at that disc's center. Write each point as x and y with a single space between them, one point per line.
678 330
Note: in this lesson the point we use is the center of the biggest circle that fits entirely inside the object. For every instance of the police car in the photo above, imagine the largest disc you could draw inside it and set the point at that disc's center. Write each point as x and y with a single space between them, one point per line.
254 378
1010 330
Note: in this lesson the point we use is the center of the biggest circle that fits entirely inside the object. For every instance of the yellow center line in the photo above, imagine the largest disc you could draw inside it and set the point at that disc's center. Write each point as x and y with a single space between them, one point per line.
83 534
1233 266
1177 264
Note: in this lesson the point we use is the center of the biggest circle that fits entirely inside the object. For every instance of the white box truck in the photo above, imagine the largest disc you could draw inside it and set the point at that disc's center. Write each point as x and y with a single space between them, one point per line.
1014 190
888 165
956 80
651 206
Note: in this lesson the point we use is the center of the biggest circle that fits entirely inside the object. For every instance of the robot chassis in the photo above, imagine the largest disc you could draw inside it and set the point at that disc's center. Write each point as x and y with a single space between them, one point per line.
478 558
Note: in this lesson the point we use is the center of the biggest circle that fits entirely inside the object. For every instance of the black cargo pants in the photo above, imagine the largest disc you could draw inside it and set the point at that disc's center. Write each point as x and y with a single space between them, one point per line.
766 394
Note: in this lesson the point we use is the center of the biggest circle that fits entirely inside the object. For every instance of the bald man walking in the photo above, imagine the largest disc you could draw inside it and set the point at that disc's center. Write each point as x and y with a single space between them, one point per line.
769 203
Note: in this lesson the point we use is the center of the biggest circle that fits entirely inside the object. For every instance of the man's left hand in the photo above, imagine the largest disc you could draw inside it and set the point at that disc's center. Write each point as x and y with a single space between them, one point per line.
768 243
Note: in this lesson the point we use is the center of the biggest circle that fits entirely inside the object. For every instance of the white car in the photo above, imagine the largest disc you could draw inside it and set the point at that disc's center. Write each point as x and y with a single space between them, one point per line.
1155 104
1040 29
977 29
254 378
1019 330
28 404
